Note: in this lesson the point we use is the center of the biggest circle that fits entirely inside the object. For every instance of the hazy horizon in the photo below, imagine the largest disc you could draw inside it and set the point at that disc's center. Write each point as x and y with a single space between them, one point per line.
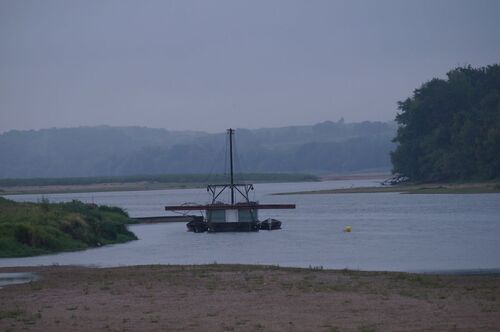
207 66
216 131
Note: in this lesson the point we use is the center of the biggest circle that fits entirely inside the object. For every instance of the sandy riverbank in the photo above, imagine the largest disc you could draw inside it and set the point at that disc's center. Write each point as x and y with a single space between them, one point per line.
97 187
247 298
154 185
434 188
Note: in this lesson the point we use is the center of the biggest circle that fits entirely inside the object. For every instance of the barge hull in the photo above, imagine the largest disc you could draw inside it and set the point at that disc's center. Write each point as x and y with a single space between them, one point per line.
251 226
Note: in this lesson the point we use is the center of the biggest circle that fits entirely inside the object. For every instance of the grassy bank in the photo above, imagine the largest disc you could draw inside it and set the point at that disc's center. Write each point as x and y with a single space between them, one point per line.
138 182
247 298
438 188
28 229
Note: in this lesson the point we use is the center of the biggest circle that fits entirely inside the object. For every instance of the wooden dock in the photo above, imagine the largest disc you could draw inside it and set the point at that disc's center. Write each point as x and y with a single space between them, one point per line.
162 219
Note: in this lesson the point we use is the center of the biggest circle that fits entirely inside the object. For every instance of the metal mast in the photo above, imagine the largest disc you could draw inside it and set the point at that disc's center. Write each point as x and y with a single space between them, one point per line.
231 132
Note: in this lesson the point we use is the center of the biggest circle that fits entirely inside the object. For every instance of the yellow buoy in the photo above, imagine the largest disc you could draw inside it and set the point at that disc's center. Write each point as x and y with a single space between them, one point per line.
348 229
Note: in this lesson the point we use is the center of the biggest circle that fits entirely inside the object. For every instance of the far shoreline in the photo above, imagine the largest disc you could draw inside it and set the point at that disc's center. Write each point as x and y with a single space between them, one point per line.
154 185
431 188
90 188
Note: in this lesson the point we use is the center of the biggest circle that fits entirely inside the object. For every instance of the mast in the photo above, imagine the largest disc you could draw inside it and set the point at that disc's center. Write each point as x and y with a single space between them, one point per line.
217 189
230 132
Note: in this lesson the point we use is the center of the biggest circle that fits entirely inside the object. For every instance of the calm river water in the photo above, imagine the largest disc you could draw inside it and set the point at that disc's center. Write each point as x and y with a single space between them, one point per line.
390 231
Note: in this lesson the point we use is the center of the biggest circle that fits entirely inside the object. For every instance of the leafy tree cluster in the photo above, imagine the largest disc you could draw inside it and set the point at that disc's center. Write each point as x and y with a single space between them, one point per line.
450 129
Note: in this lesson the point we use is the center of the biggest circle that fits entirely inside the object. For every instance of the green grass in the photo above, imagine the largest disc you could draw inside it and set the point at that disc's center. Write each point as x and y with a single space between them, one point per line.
28 229
14 313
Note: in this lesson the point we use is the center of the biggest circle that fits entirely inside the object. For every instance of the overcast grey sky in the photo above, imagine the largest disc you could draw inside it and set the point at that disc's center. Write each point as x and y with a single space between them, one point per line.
209 65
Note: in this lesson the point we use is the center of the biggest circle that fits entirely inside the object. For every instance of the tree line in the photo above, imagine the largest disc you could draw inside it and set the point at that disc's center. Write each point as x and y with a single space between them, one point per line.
449 129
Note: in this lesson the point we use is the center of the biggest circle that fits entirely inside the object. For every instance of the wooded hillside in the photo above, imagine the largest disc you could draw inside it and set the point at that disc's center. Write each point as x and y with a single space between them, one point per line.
328 147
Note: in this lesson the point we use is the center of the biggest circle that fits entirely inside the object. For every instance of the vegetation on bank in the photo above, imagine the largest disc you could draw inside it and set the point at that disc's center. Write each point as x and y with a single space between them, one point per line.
163 178
28 229
450 129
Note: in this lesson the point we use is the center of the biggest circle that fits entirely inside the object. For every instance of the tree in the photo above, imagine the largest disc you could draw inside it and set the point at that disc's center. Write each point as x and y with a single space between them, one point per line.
450 129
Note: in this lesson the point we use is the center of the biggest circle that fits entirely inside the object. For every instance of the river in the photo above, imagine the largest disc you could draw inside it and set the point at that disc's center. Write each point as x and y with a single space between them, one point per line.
390 231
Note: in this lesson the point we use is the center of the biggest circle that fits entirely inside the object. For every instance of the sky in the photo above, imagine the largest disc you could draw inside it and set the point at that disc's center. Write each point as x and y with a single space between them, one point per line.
211 65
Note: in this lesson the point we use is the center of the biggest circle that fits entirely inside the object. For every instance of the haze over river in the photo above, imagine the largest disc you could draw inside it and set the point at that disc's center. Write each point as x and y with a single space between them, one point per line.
390 231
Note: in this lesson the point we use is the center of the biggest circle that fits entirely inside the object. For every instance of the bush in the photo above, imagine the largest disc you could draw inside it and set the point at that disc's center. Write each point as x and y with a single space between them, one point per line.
37 228
76 227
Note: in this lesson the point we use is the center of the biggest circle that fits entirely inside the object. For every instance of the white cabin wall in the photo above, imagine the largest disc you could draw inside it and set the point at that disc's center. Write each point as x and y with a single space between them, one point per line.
231 215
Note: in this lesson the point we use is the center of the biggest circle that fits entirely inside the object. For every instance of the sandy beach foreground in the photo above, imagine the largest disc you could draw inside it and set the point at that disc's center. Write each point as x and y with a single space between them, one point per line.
247 298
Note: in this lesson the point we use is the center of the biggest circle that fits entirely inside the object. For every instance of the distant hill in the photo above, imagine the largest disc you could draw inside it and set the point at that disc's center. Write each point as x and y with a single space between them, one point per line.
327 147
